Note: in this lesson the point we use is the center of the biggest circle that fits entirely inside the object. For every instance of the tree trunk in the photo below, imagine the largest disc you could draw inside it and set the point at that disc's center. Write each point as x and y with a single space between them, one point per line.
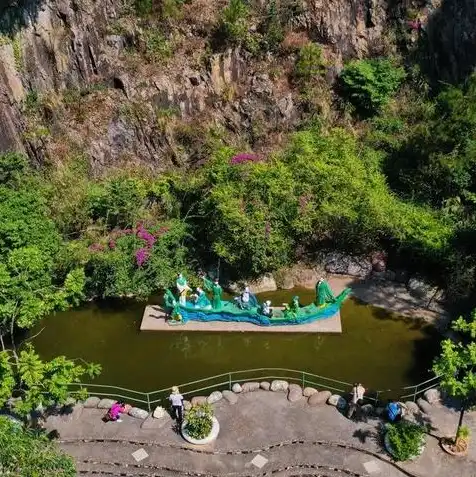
14 348
1 342
460 422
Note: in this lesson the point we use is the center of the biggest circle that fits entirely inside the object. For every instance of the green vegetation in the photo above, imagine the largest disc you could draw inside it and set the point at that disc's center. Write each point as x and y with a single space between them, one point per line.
309 63
405 439
29 453
456 366
32 286
369 84
36 383
156 46
199 421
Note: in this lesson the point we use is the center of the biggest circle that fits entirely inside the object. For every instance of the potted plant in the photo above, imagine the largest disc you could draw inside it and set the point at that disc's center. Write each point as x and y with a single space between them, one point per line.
404 440
458 446
200 425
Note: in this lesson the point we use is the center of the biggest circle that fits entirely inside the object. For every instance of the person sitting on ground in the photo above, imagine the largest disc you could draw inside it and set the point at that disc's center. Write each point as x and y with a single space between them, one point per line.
394 411
176 400
266 309
115 412
243 301
358 392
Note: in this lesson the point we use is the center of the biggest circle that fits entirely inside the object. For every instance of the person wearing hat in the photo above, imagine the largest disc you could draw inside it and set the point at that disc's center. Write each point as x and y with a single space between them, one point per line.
176 400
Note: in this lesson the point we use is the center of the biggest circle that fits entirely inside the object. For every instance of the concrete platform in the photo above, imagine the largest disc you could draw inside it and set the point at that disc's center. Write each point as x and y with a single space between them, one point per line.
154 319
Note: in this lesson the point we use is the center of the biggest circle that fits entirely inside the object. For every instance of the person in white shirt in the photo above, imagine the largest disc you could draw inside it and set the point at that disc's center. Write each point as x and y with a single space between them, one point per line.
357 400
176 400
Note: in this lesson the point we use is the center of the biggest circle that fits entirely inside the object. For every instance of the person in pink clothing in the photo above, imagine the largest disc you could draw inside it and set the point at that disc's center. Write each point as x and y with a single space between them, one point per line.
115 412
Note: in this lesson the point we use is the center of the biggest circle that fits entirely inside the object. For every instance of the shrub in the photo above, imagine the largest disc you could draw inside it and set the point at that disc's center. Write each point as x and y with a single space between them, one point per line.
30 453
233 25
143 7
199 421
369 84
273 30
405 439
309 63
157 47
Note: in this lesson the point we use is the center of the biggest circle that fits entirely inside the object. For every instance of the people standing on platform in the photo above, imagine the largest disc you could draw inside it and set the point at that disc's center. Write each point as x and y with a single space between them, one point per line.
176 399
357 399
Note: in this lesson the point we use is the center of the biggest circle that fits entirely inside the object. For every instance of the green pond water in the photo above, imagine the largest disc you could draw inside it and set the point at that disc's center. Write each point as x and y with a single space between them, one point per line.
381 350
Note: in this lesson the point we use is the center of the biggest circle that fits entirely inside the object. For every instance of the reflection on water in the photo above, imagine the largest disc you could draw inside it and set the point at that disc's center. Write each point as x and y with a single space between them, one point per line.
377 348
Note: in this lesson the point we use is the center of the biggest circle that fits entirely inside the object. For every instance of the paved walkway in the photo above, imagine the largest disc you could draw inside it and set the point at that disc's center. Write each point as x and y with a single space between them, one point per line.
262 434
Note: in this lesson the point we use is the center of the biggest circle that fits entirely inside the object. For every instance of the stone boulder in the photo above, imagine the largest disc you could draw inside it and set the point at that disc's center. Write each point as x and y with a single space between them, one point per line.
106 403
279 385
319 398
214 397
236 388
433 396
343 264
424 405
338 401
198 400
431 296
91 402
138 413
265 385
250 387
412 407
307 278
159 412
263 284
187 405
230 396
294 392
308 392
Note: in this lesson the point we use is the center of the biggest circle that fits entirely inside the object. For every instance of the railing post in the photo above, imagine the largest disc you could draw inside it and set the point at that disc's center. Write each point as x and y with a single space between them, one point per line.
377 398
148 402
229 381
415 393
303 380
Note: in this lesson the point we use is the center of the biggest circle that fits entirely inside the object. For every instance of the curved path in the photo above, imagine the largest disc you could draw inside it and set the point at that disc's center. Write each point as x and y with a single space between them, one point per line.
291 439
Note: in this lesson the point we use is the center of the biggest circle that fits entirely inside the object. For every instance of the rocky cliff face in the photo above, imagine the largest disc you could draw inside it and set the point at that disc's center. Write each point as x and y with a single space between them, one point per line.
100 93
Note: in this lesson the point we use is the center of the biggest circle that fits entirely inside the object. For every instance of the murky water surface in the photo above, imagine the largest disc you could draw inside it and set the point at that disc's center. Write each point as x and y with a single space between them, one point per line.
377 348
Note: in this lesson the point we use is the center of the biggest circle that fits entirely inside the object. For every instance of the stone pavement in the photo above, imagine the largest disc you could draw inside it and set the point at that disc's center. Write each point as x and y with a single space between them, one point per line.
262 434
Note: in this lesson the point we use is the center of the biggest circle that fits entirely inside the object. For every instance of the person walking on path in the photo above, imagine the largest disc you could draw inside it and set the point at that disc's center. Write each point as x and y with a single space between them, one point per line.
357 399
176 400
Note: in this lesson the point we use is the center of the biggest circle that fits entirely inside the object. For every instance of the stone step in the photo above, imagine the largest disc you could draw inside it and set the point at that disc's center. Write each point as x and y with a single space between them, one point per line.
119 470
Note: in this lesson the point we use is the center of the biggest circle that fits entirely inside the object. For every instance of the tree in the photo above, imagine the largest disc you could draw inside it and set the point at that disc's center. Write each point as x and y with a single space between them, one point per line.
29 453
457 364
369 84
33 382
28 292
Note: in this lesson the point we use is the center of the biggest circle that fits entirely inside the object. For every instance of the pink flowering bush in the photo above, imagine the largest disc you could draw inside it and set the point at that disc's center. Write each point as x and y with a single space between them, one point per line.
142 255
244 157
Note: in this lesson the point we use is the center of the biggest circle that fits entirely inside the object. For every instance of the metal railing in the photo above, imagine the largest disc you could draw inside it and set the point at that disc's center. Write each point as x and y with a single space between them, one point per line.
226 380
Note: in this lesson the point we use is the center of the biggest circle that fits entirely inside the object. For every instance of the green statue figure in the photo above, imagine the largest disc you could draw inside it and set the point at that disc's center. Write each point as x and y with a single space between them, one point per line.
201 300
292 308
169 299
171 303
216 290
183 288
324 293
